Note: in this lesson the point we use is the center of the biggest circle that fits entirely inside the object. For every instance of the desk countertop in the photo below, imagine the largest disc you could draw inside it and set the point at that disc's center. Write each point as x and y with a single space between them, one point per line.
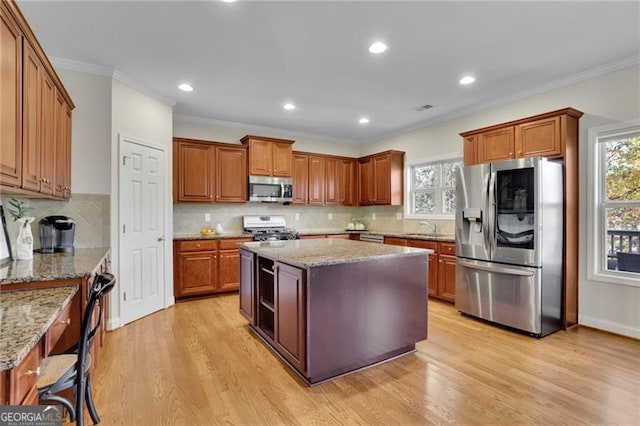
55 266
25 316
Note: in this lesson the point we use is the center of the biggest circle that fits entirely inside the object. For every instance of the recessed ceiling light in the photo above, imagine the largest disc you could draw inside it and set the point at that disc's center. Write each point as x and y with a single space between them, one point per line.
185 87
289 106
229 1
467 80
363 120
377 47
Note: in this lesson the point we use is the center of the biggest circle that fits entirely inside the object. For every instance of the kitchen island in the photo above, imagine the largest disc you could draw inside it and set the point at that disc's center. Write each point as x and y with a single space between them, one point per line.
328 307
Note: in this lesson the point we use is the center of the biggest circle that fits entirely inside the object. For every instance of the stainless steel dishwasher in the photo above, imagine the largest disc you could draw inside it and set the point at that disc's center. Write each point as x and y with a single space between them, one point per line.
372 238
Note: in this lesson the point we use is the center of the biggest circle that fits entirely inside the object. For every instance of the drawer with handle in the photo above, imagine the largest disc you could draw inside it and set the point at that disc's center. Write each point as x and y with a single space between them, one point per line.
232 244
197 245
23 378
57 328
447 248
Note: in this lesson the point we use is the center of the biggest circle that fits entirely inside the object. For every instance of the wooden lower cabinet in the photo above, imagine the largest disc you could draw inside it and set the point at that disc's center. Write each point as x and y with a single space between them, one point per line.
196 271
447 278
432 287
290 314
204 267
441 283
247 287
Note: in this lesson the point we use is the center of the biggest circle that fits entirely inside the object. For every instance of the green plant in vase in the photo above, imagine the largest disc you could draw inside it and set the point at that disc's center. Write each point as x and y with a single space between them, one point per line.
24 244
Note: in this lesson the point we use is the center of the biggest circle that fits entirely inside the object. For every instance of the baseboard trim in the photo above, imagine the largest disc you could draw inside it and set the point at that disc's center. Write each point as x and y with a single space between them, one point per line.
610 326
113 323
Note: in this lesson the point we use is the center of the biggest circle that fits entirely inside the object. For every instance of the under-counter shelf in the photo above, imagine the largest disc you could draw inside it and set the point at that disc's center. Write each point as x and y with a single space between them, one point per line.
267 304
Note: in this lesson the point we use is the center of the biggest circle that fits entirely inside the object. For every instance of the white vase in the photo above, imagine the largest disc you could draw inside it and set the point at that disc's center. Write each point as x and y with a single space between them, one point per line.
24 244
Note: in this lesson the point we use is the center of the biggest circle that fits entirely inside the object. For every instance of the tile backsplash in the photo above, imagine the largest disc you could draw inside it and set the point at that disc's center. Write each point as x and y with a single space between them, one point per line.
189 217
90 211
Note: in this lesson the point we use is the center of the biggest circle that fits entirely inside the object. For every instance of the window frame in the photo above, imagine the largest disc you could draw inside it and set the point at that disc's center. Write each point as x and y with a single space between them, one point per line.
409 190
597 205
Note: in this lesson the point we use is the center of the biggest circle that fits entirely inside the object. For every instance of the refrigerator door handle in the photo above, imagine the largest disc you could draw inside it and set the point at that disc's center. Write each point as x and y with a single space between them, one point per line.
491 210
495 268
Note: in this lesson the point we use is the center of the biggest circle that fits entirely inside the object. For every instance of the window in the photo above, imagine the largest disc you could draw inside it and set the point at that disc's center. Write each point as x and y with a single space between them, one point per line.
614 203
432 188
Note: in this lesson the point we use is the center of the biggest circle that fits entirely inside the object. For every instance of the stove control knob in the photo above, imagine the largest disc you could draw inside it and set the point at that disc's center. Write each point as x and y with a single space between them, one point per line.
291 236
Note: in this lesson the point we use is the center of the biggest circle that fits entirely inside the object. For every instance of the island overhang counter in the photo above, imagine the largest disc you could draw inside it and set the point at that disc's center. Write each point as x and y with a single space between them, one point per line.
328 307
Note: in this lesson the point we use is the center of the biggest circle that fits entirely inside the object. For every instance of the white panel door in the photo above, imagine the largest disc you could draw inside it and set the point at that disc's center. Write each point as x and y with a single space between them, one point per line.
142 195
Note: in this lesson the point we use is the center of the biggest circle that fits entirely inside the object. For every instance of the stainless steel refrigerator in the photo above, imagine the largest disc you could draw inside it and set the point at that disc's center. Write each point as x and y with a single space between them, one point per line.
509 243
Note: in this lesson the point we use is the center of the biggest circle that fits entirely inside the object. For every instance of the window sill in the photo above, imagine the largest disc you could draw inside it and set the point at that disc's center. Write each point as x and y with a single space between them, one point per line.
630 279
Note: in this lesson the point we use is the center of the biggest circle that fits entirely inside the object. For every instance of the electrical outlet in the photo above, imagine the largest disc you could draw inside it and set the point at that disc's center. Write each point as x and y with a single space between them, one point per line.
373 216
398 216
297 216
330 216
207 217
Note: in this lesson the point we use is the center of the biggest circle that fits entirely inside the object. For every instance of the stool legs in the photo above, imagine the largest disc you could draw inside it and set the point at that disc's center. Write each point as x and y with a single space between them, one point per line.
90 404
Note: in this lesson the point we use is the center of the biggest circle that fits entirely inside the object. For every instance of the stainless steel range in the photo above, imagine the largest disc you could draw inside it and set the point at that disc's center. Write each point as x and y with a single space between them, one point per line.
268 228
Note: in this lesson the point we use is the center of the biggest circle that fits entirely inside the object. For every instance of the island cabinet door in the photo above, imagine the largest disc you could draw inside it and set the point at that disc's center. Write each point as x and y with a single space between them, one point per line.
290 320
247 286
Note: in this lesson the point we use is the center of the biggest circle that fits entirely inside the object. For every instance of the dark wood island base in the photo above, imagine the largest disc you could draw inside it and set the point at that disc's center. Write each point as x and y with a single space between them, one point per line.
357 306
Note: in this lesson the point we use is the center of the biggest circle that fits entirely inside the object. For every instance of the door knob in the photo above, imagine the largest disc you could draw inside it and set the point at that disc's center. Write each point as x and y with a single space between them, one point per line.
160 238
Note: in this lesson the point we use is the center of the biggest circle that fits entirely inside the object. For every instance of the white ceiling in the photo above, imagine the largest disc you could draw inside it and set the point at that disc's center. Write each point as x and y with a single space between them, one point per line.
246 59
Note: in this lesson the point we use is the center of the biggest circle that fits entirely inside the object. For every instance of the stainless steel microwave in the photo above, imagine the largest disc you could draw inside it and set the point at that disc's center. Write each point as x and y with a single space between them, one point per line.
270 189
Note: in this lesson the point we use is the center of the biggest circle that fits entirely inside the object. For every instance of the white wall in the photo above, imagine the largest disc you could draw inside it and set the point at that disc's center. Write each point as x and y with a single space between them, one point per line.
142 117
90 131
612 97
214 131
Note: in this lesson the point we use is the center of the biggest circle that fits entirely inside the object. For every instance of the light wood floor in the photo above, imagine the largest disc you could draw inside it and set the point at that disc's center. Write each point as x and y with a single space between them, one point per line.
196 363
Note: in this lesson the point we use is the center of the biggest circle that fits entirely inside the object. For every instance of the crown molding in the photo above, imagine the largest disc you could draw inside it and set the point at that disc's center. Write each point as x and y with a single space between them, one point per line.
134 84
69 64
630 61
259 129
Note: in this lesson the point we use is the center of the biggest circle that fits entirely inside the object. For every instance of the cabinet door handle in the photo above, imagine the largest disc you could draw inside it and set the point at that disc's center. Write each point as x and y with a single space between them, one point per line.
519 152
210 196
32 372
198 245
65 322
511 153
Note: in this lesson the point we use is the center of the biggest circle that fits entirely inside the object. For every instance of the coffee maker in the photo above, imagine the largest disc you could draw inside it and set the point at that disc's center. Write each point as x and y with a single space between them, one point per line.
56 234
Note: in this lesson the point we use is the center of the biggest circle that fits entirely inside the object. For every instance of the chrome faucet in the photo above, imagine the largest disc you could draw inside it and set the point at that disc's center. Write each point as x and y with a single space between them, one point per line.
432 226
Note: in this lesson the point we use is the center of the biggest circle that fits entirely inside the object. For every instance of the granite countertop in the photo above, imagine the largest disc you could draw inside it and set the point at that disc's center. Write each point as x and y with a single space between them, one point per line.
55 266
429 237
25 316
197 236
322 252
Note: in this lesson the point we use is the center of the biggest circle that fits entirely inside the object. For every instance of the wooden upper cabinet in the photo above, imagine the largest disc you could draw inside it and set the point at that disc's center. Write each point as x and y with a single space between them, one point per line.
260 157
496 145
365 174
31 162
231 174
332 181
31 128
300 178
282 159
60 147
347 182
48 140
381 179
195 177
538 138
469 150
206 171
316 179
269 156
10 101
541 135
